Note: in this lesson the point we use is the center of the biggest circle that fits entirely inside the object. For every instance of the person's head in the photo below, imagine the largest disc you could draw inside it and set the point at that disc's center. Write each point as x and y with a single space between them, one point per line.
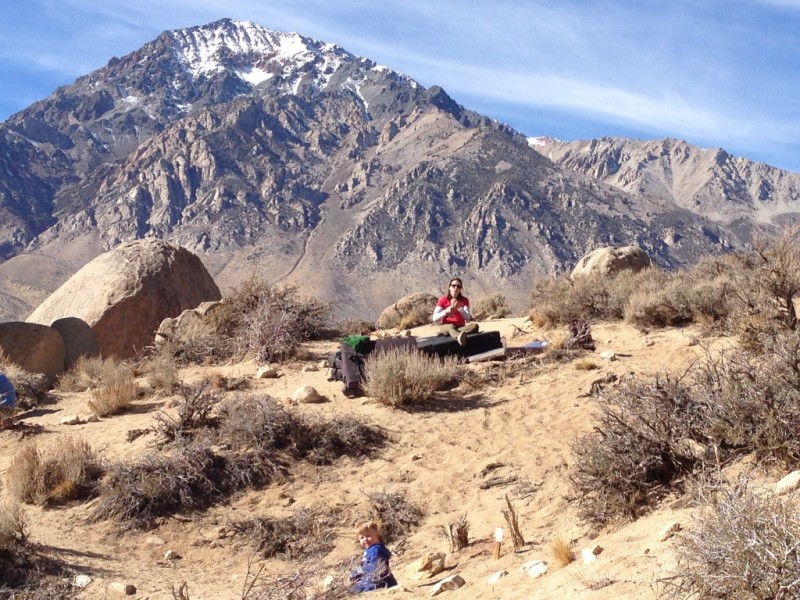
454 288
368 534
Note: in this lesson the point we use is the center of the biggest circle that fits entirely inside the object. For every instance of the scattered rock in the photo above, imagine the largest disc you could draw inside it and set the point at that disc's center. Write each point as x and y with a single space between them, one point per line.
495 577
154 540
306 394
407 333
123 588
646 342
70 420
588 556
310 368
669 531
327 583
448 583
171 555
788 484
93 418
267 372
81 581
426 566
609 356
535 568
323 364
691 448
415 456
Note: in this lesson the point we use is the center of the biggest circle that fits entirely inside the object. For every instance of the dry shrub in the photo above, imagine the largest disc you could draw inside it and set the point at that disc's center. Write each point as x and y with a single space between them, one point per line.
562 551
31 388
636 452
355 327
65 470
115 392
137 494
396 517
742 544
161 370
659 304
302 583
87 373
400 378
268 322
586 364
13 527
306 533
495 305
560 300
194 413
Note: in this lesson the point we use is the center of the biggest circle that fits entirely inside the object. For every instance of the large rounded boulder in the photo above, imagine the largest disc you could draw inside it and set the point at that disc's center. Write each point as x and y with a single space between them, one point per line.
409 311
126 293
36 348
610 261
79 340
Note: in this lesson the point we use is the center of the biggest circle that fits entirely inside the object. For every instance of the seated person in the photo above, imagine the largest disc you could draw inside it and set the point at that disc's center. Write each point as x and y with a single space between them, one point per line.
374 572
452 311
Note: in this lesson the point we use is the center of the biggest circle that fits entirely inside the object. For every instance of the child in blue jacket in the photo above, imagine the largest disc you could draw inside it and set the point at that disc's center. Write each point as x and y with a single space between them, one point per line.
8 399
374 572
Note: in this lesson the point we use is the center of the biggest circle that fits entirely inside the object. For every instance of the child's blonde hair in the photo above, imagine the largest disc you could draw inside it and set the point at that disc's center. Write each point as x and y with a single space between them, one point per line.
369 526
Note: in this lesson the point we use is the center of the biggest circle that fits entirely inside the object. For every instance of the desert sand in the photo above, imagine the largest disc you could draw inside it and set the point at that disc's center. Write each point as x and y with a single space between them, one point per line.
526 423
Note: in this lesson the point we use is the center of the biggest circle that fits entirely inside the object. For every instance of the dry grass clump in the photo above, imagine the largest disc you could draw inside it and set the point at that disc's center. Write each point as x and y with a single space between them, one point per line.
400 378
742 544
86 373
65 470
396 517
161 370
306 533
302 583
114 392
495 305
562 551
269 322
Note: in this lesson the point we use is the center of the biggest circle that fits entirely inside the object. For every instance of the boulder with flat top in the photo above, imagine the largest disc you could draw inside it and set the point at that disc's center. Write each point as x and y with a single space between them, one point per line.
610 261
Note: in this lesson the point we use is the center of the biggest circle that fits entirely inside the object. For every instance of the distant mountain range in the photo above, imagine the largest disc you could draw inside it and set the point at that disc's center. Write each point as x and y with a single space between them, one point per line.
276 155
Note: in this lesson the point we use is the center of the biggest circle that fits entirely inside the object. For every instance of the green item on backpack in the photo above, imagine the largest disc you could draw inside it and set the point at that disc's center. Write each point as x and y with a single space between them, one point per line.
356 342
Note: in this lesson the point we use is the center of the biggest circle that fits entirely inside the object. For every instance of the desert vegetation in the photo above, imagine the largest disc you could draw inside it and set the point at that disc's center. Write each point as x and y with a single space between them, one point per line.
399 378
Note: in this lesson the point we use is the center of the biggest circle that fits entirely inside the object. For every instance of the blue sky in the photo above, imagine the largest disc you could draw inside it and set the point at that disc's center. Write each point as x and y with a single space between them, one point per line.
716 73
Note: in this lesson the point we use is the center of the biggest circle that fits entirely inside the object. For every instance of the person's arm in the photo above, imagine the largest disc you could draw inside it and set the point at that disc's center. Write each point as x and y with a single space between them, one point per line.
376 567
439 313
465 312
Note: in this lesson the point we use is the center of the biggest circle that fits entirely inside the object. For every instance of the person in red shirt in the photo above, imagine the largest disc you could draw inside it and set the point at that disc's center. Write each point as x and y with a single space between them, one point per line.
452 312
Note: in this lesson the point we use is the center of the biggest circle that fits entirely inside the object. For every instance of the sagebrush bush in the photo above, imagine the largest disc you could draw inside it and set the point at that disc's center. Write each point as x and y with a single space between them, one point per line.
304 534
396 517
269 322
64 470
88 372
31 388
137 493
495 305
400 378
742 544
638 449
161 370
115 390
194 413
659 304
13 527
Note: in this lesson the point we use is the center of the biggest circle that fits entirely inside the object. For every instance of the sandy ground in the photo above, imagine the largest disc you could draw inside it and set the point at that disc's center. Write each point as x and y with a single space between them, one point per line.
436 457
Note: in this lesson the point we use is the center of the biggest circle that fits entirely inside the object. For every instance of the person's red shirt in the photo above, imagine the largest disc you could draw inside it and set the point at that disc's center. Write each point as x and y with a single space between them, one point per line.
456 318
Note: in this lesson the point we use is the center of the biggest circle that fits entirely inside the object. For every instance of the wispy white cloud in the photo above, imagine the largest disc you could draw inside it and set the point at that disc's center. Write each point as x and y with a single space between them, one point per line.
725 71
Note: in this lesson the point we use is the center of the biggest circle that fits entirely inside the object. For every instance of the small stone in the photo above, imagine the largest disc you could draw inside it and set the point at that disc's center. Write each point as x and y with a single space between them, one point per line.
306 394
597 549
267 372
171 555
123 588
609 356
646 342
310 368
70 420
92 419
426 566
172 403
448 583
288 402
788 484
535 568
588 556
495 577
327 583
415 456
323 364
407 333
669 531
81 581
154 540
